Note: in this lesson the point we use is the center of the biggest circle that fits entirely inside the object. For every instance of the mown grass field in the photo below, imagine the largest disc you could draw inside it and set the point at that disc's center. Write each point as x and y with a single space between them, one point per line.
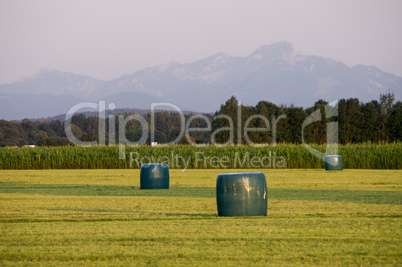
101 217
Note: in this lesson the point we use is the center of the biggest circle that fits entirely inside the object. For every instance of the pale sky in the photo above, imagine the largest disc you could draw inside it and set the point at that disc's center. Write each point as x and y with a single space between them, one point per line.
106 39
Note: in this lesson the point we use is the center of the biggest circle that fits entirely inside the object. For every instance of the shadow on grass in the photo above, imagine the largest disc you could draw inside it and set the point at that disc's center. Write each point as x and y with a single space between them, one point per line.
378 197
142 212
104 190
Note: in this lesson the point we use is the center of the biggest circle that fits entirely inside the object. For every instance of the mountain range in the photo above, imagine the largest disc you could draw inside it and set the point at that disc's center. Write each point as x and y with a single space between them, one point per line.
275 73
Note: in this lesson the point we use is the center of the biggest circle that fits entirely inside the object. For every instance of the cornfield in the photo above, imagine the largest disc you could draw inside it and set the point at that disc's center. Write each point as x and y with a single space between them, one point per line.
355 156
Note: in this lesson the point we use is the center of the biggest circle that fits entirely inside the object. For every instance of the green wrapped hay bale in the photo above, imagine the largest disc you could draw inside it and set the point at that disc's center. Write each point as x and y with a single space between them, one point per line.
154 176
242 194
333 163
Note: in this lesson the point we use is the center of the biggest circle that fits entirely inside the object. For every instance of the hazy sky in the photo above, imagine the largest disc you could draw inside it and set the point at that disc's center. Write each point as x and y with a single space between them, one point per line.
106 39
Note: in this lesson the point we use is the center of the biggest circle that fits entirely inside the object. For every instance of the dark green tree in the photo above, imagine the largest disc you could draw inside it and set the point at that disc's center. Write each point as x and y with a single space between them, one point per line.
395 122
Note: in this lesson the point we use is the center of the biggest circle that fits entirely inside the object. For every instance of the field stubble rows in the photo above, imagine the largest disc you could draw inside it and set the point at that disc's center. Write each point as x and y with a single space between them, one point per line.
101 217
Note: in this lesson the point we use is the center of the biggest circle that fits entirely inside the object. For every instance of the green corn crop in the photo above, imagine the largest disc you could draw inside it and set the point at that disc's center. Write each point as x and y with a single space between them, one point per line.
355 156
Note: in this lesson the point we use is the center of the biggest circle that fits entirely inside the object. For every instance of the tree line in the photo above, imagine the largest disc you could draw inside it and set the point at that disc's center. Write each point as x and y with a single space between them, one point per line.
357 122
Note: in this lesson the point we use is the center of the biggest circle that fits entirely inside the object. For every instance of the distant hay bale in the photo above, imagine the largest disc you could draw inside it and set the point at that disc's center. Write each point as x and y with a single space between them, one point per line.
334 163
154 176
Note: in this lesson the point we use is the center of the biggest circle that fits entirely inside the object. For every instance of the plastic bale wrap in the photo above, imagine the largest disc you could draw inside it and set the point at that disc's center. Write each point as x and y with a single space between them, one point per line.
242 194
154 176
334 163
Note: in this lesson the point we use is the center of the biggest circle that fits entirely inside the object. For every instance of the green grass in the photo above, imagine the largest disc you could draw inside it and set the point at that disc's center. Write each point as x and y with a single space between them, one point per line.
101 217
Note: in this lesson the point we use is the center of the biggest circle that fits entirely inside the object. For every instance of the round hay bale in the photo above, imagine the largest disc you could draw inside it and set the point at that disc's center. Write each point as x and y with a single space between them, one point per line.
242 194
154 176
333 163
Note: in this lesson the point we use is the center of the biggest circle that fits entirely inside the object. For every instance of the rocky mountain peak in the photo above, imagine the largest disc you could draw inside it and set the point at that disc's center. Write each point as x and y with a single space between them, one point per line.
272 72
276 51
